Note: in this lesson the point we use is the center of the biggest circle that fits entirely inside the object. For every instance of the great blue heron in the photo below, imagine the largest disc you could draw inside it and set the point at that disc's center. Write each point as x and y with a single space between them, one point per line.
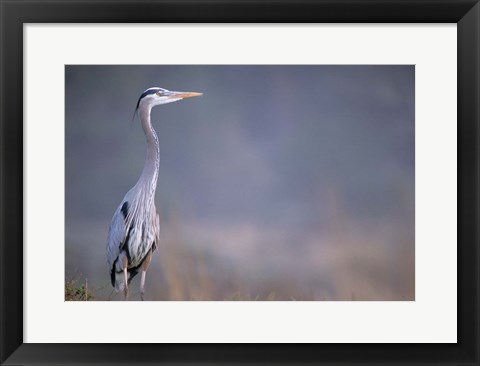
135 228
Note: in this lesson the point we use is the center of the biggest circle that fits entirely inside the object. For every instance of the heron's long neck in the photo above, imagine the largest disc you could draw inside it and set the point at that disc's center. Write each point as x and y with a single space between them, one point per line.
152 161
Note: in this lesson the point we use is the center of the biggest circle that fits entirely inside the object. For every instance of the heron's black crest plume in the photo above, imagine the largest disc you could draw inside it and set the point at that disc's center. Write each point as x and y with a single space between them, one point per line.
148 92
133 117
144 94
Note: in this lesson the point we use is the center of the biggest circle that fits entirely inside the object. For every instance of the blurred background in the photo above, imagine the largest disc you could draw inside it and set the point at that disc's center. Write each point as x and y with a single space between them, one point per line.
279 183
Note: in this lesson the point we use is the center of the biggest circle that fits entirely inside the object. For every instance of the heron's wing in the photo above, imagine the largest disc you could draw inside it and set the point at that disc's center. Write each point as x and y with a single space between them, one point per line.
117 234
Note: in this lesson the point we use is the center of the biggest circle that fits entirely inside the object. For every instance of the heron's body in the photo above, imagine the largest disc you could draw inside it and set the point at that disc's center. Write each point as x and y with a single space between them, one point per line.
135 228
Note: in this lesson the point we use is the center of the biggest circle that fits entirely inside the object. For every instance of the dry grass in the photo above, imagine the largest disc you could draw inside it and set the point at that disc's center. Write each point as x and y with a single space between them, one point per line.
77 290
341 261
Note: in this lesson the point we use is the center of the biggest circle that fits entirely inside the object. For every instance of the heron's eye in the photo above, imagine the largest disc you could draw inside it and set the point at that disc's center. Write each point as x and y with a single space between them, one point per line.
159 94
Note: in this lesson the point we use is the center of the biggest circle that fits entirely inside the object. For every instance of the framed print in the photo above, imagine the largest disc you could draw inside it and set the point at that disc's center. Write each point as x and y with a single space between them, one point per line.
317 192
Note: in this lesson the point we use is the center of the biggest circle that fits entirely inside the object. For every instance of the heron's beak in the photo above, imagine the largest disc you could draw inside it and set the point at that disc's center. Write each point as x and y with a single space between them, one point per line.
183 95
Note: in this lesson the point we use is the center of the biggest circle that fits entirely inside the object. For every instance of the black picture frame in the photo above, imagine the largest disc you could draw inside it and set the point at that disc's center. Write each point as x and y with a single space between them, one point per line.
14 14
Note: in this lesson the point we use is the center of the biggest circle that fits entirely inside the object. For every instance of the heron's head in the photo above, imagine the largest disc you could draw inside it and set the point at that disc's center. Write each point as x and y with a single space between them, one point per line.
157 96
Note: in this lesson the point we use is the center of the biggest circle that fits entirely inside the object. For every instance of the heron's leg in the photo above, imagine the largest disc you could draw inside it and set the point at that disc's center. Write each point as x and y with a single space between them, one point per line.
145 265
125 289
142 285
125 272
